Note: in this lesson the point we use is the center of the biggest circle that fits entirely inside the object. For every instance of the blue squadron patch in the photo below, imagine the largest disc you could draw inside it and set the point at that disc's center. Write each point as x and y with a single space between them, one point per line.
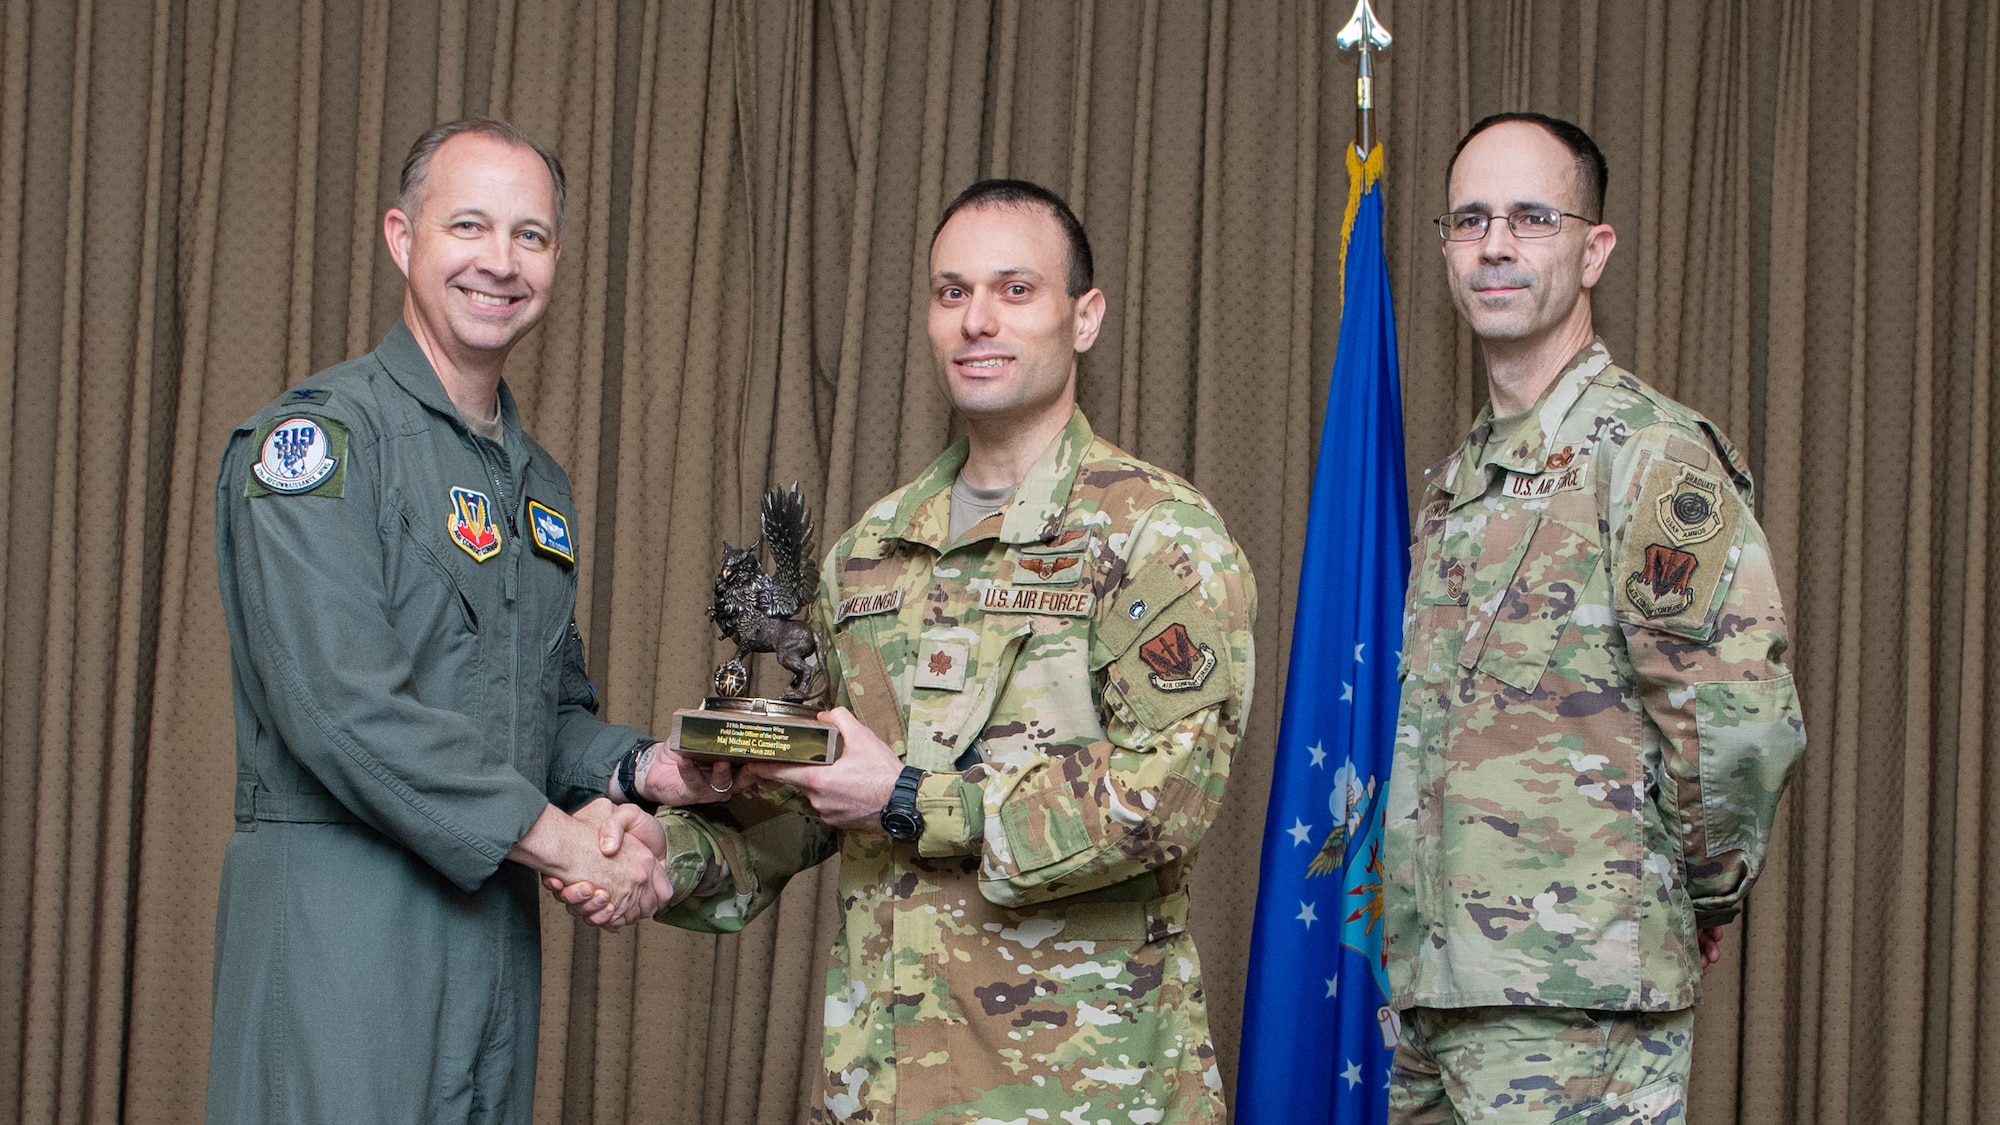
299 455
472 526
551 532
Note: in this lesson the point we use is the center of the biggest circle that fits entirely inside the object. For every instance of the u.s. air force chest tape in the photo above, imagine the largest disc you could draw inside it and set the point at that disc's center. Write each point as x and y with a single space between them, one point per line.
1045 579
1168 654
298 455
1566 469
1675 565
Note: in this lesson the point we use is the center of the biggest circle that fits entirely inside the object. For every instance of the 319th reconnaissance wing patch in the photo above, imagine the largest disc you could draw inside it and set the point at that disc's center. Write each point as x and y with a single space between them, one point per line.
1672 573
298 455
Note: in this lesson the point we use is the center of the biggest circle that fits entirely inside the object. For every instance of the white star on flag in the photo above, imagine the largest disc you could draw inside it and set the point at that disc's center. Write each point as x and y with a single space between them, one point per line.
1306 914
1352 1074
1346 692
1299 830
1332 987
1318 753
1357 653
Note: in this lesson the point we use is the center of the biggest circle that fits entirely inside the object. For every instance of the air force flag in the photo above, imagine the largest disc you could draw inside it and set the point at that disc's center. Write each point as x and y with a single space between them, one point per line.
1318 1034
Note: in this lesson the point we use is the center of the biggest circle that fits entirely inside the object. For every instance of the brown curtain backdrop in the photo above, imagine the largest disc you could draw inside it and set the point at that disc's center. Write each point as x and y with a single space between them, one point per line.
190 202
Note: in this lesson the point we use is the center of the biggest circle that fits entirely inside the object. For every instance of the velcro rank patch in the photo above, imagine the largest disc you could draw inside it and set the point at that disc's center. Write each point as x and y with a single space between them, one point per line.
941 664
1673 571
298 455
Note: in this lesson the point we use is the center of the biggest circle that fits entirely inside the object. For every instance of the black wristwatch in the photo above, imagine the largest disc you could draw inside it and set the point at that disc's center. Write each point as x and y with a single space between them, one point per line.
900 818
627 776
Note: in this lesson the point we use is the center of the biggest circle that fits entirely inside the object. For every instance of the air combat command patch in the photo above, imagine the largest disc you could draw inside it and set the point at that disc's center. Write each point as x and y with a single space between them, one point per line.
472 526
1178 663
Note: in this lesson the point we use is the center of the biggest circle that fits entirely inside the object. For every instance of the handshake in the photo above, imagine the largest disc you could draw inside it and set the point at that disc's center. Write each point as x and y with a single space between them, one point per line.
606 863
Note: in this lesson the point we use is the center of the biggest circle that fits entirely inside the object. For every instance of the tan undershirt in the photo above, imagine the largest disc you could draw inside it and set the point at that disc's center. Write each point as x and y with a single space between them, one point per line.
970 504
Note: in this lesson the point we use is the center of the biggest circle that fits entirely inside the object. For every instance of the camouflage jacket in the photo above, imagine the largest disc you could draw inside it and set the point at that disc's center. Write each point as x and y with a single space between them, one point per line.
1596 724
1075 673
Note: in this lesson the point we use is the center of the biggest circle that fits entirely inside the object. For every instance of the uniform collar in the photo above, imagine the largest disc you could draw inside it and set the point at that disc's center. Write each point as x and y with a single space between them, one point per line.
411 369
1468 475
1033 515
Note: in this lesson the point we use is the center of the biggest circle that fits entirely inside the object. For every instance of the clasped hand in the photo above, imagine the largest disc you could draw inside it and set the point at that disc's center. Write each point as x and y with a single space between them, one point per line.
623 885
847 793
614 893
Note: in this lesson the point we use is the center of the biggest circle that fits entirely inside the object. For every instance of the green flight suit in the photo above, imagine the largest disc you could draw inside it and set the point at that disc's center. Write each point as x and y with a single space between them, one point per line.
1074 673
409 695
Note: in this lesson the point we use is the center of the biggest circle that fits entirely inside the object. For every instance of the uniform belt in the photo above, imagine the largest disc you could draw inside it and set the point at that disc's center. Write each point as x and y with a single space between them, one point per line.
1146 920
256 803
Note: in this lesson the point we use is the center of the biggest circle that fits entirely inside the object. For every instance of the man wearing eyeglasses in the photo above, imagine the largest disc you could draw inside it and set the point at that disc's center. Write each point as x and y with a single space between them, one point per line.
1596 723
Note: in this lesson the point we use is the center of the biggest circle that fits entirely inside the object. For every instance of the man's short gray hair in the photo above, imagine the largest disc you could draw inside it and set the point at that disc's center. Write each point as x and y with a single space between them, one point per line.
417 165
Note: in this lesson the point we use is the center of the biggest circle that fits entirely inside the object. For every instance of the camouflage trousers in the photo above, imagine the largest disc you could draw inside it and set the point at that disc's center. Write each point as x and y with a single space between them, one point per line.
1529 1065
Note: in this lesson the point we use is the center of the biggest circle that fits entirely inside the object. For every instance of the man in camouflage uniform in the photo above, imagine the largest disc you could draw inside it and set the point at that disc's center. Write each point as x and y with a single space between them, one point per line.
1047 645
1596 725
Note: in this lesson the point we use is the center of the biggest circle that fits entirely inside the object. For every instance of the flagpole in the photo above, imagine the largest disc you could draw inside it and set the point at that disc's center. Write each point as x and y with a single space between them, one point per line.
1364 33
1319 1031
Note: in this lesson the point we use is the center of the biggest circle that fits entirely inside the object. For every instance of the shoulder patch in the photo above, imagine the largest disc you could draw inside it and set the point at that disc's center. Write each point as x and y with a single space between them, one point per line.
1674 567
1178 661
1177 670
298 455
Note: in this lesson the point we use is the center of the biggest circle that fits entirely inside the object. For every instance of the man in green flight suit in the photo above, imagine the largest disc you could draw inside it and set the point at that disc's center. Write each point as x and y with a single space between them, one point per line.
1596 722
1041 660
398 573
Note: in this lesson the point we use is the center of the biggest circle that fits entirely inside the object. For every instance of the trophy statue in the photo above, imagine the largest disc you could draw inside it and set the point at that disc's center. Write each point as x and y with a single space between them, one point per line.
756 610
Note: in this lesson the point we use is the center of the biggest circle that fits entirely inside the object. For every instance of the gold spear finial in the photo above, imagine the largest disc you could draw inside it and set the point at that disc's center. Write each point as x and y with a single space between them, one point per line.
1366 33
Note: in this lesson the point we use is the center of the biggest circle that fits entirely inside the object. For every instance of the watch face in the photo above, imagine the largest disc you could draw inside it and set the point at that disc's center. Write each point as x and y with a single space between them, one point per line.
901 825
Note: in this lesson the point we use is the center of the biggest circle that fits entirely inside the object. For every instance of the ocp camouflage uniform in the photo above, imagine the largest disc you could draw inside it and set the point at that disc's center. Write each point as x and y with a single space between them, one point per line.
1595 724
1075 673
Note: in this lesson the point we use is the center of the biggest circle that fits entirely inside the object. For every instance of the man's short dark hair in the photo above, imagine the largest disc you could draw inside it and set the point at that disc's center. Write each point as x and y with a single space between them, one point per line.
1591 172
417 165
1024 195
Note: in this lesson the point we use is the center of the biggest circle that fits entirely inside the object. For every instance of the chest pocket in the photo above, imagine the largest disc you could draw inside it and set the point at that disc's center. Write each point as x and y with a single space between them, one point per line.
948 711
1428 610
1528 585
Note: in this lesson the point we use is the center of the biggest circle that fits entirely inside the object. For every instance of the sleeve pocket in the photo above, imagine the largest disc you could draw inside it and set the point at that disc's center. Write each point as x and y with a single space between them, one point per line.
1751 736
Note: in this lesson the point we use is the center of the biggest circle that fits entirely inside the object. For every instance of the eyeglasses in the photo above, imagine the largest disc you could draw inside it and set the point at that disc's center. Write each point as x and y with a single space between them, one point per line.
1535 222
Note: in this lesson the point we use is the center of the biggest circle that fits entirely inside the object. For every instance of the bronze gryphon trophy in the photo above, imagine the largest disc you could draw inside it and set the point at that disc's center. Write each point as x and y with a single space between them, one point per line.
755 609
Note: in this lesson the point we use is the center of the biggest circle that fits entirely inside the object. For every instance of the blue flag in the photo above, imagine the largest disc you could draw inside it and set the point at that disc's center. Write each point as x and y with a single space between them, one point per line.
1317 1032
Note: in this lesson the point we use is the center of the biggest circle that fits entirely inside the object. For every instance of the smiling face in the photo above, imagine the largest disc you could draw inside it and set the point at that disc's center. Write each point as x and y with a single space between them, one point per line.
479 253
1004 331
1516 293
